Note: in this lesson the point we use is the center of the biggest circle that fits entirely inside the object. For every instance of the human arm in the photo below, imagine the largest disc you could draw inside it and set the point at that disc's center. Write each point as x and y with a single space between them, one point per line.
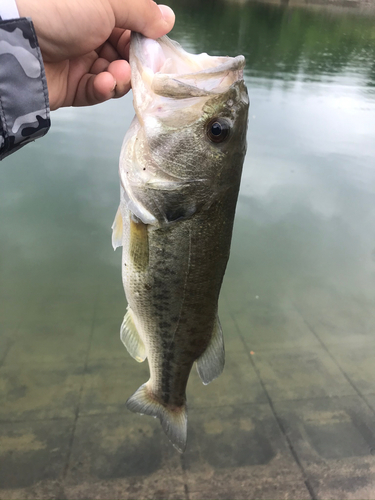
84 48
85 44
24 109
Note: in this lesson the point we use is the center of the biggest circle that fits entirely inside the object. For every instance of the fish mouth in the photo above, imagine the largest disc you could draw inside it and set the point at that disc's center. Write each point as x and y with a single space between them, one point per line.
164 68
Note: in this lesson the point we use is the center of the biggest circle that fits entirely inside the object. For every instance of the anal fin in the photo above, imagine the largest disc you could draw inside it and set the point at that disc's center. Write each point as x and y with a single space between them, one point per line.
211 364
173 420
131 339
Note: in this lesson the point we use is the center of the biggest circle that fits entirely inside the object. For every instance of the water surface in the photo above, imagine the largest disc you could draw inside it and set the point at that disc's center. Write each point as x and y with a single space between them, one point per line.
297 300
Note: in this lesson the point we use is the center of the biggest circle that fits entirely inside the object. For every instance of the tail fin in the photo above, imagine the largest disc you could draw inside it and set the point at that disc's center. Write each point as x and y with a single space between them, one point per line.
173 421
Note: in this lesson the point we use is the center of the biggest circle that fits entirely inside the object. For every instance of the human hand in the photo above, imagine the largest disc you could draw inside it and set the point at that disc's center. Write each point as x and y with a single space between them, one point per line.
85 44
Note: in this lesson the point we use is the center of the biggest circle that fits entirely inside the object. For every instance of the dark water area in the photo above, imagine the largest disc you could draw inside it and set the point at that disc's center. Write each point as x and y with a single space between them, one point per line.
293 415
281 42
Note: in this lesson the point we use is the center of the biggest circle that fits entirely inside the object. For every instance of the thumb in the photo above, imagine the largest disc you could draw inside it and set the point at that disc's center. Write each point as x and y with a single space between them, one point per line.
143 16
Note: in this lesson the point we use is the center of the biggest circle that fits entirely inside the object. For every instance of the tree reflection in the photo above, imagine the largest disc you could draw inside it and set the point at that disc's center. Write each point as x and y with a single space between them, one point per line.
279 41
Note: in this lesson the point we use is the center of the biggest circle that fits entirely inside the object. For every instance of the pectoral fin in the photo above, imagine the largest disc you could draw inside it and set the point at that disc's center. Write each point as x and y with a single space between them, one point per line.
211 363
131 339
117 229
138 247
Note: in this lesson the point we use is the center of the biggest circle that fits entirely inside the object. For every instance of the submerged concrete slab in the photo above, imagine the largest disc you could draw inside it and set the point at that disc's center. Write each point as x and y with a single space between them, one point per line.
128 453
122 489
43 490
358 363
270 325
69 300
16 306
370 399
107 385
105 341
40 392
334 439
232 339
49 341
334 317
8 332
301 374
240 452
258 485
32 452
346 479
111 301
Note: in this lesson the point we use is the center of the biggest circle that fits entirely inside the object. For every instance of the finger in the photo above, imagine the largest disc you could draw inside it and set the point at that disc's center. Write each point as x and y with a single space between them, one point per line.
143 16
116 34
113 83
94 89
108 52
120 39
120 70
99 66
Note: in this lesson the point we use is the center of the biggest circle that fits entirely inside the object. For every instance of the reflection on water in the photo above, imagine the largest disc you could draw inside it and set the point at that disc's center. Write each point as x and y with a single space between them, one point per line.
300 280
306 207
290 44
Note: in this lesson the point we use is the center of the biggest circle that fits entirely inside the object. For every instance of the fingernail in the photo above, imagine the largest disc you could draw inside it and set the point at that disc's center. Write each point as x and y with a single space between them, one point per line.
167 14
114 85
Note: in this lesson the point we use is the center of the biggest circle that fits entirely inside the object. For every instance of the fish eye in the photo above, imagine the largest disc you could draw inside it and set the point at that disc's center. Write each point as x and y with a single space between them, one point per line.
218 129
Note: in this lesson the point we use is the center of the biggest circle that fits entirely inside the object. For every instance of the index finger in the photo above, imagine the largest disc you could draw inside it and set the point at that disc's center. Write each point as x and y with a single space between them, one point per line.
143 16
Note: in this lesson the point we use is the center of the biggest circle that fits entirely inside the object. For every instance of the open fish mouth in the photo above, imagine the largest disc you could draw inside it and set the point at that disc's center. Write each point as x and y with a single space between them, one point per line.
164 68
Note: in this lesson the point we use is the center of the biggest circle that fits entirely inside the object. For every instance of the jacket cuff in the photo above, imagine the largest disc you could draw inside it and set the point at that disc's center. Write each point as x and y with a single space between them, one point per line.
24 104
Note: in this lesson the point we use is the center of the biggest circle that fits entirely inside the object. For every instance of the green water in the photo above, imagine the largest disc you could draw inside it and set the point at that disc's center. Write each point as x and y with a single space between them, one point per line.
302 268
306 210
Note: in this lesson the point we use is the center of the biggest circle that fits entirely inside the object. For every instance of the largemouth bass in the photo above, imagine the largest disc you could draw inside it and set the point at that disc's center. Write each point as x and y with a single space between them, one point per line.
180 170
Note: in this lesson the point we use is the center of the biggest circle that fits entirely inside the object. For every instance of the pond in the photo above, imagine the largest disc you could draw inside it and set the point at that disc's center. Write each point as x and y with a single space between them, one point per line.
293 415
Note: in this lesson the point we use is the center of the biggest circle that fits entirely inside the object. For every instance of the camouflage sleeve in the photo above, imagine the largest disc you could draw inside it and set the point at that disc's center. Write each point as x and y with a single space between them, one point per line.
24 105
